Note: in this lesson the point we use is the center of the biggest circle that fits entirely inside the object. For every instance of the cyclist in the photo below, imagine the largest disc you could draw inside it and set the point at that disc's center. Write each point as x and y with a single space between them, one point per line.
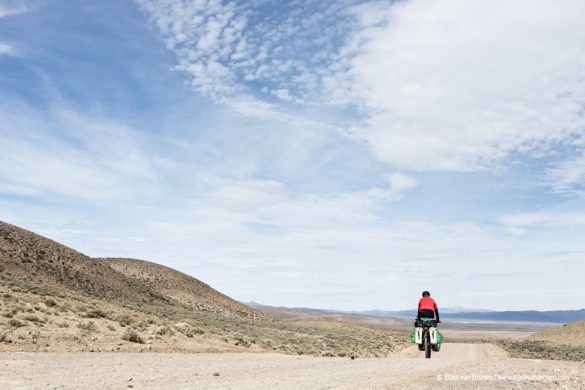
427 307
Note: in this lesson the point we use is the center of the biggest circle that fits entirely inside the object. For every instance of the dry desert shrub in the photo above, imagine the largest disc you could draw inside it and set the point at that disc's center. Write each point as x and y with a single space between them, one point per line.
165 331
125 319
50 303
32 318
132 336
88 326
15 323
95 313
530 349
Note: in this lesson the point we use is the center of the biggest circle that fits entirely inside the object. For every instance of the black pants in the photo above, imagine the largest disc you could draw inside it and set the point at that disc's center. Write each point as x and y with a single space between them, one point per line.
426 313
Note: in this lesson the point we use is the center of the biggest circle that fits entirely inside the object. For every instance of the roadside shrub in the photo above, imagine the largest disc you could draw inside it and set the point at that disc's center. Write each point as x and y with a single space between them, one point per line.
89 326
165 330
32 318
240 341
15 323
95 313
125 320
535 349
132 336
50 303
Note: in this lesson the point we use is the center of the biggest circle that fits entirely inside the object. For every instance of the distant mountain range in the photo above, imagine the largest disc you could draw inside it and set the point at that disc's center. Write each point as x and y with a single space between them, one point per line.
459 313
556 316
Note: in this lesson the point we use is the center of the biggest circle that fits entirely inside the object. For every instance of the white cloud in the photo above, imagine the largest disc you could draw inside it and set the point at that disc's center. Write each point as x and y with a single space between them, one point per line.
260 240
401 182
568 176
543 220
226 47
247 195
17 7
204 35
6 12
440 85
398 183
455 85
283 94
6 49
73 156
271 202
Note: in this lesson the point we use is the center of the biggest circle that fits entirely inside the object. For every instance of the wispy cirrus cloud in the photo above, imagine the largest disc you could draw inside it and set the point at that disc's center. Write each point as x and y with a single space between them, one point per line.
439 86
6 49
544 219
17 7
567 176
70 155
237 48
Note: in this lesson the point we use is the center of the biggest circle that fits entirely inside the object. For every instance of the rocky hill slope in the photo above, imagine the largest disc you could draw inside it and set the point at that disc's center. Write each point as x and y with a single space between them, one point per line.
53 298
37 259
179 286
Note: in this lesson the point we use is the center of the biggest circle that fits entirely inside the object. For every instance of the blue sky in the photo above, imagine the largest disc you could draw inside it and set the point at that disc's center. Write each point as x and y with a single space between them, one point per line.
333 154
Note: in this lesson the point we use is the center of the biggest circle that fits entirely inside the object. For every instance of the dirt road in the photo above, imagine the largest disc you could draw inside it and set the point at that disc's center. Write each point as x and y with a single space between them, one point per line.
456 366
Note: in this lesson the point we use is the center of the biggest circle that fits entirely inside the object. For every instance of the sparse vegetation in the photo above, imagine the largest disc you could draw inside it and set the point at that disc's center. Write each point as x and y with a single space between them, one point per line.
50 303
88 326
125 319
535 349
165 331
32 318
15 323
95 313
132 336
148 299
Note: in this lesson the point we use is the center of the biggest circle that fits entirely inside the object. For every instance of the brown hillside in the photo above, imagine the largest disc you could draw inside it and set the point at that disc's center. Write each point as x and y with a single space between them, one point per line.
53 298
565 342
571 334
26 255
180 286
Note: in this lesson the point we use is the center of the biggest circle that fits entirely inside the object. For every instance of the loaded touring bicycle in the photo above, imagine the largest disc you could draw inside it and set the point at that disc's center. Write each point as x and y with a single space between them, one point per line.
427 336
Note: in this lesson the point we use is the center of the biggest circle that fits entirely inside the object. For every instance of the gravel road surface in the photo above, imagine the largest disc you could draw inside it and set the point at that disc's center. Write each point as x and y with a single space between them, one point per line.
465 366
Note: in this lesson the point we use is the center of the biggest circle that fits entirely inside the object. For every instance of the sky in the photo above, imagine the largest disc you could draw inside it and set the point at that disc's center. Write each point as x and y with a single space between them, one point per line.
341 154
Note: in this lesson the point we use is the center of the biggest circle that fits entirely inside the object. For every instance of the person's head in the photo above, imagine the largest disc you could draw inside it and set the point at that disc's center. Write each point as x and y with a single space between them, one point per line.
426 294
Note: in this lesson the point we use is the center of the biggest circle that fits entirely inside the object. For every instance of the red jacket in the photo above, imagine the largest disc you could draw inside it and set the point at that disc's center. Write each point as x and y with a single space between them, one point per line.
427 303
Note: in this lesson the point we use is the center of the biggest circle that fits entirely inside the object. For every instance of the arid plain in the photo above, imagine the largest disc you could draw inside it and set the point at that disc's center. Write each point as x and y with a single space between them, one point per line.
69 321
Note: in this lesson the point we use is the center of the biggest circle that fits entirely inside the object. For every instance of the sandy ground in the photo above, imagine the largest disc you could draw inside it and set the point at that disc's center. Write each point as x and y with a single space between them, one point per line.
455 366
460 330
